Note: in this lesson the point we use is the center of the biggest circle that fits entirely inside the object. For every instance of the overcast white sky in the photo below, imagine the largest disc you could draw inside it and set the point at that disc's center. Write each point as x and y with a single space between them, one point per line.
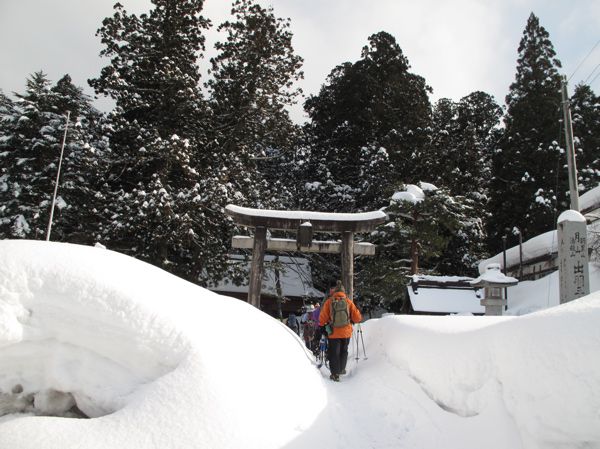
459 46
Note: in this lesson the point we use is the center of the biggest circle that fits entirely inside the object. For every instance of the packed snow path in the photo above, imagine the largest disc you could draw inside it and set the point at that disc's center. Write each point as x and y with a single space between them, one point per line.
161 363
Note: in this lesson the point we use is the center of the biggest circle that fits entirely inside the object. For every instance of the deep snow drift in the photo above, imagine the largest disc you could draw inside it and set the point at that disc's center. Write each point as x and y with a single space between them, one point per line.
157 362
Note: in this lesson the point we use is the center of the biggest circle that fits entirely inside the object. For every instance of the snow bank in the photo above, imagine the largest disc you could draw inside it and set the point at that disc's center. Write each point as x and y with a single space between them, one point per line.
541 370
159 362
532 296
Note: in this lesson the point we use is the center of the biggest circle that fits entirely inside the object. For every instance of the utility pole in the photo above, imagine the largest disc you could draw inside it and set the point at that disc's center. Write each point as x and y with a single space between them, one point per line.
62 150
573 189
573 261
504 269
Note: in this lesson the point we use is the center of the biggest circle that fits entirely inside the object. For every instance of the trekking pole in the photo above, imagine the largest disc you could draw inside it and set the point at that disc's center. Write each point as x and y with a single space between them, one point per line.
356 337
362 340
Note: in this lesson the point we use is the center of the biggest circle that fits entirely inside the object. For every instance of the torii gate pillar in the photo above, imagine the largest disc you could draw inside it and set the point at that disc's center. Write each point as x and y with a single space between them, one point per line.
346 224
348 262
256 269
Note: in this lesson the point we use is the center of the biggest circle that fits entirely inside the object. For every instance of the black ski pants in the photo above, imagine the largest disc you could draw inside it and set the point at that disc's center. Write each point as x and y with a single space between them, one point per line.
337 352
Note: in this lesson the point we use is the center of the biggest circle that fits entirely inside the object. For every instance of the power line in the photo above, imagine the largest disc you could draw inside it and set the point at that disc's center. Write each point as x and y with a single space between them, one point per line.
590 75
592 82
584 59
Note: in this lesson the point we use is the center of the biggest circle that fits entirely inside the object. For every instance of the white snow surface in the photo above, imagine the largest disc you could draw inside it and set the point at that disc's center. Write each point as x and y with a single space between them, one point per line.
571 215
306 215
493 275
158 362
411 193
590 199
540 245
433 300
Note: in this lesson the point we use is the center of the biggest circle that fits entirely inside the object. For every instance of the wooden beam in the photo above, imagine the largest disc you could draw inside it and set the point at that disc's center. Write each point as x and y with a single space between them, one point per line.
274 244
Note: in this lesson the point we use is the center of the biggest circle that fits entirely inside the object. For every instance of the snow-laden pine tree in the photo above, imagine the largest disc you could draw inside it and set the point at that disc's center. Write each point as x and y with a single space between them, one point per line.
84 166
33 152
33 129
372 110
462 135
585 112
252 86
8 120
529 182
166 194
424 221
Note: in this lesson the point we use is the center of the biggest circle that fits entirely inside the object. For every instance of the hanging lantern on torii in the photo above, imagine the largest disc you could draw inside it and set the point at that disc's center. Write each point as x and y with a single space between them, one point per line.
305 224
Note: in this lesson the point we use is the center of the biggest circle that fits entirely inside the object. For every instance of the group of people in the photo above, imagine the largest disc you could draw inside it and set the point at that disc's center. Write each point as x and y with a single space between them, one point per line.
335 319
307 326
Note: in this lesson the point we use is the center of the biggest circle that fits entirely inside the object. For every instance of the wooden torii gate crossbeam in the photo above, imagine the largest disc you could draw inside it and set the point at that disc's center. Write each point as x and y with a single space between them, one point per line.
305 224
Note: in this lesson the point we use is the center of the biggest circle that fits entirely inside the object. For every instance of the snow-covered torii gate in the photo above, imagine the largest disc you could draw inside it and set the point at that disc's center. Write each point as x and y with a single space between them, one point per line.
304 223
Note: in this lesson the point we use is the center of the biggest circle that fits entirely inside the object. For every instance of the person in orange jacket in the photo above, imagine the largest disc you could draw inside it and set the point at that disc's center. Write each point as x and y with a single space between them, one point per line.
339 317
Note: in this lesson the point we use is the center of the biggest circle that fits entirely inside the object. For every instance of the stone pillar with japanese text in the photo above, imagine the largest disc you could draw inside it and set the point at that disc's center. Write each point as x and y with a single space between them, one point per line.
574 278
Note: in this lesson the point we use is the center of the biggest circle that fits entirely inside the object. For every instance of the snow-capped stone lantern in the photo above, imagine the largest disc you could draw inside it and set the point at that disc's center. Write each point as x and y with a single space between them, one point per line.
493 282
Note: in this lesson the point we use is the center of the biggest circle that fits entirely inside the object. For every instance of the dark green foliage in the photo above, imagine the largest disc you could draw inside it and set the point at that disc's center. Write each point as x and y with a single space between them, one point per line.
251 86
429 231
460 161
585 112
369 125
177 156
529 183
153 75
166 192
33 129
462 136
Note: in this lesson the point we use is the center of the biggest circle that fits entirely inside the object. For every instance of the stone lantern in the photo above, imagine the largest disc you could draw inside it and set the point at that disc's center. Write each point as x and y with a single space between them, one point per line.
493 282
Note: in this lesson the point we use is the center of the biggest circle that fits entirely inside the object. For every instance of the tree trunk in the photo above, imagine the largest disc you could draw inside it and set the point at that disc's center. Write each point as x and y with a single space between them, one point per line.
414 257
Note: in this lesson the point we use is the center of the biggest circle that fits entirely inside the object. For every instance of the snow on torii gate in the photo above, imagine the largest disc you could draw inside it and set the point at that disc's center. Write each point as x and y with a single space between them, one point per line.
305 223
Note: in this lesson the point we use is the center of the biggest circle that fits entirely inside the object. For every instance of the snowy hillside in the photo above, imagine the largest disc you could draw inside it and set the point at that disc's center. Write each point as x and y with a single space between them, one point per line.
157 362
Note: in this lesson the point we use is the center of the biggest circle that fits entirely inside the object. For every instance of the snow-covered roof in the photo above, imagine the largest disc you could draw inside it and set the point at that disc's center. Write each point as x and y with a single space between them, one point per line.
546 244
538 246
295 278
590 200
440 279
433 300
305 216
444 298
292 219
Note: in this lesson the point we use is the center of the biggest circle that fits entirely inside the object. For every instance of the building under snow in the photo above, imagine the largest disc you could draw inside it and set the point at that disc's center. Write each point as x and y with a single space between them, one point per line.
538 256
444 295
287 278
